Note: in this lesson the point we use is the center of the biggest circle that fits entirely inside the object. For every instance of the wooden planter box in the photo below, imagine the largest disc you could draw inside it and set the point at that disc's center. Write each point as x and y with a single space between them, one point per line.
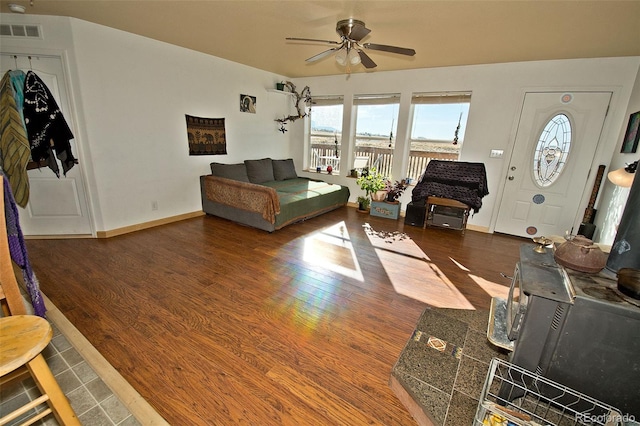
382 209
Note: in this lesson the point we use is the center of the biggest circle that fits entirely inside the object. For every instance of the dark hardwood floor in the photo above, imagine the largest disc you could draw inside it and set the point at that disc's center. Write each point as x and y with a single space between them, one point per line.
217 323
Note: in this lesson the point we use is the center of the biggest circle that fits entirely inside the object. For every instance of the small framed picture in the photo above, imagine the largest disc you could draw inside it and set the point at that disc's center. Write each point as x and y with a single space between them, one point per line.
248 104
632 136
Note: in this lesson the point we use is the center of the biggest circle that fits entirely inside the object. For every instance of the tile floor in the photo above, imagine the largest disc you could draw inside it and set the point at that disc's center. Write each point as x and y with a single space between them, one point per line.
93 401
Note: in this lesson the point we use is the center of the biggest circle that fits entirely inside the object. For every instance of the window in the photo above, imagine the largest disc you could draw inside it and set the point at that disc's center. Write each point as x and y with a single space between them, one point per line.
325 133
437 130
376 123
552 150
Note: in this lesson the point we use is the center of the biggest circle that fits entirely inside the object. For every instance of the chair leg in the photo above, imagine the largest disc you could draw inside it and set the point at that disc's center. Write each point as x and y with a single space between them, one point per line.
48 385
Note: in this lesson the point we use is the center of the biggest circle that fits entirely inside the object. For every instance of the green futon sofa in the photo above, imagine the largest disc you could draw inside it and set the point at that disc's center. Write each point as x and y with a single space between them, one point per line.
267 194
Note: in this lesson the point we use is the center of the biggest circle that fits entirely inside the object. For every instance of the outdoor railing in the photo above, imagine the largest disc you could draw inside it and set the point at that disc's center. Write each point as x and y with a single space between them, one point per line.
323 155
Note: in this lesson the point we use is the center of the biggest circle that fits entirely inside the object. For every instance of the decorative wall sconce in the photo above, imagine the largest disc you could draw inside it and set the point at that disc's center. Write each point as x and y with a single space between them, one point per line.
302 100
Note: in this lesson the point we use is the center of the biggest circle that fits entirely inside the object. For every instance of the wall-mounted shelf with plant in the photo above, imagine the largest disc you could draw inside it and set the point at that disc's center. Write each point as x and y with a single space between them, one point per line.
301 101
281 92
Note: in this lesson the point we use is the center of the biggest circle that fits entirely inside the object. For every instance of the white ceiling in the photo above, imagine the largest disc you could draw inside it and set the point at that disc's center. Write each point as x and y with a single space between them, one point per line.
443 33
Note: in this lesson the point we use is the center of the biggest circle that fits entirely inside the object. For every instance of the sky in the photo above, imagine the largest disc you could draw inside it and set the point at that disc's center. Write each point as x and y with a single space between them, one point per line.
430 121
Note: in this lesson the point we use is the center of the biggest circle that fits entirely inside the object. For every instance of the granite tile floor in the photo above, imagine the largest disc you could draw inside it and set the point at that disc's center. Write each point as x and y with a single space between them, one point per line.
93 401
444 365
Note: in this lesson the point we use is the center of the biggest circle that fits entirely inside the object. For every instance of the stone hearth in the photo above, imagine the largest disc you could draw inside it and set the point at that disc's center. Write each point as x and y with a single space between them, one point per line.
441 370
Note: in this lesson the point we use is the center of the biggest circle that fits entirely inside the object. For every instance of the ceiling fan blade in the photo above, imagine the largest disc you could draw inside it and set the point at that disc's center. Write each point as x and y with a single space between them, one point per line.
358 32
322 54
312 40
392 49
366 60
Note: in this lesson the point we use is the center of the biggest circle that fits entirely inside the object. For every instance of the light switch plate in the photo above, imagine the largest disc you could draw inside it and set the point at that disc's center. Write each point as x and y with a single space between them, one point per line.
496 153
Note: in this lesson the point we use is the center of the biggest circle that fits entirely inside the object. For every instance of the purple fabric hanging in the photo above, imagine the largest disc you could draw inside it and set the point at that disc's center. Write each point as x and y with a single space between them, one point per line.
18 249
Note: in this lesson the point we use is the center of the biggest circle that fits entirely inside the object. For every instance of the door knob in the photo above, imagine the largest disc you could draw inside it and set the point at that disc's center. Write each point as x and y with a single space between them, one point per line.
510 178
513 167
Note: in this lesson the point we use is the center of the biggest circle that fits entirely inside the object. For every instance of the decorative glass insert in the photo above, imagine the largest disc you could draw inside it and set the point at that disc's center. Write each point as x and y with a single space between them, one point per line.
552 150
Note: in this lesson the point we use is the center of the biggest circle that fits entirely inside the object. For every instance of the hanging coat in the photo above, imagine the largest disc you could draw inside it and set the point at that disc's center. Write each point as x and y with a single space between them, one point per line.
46 127
17 82
14 145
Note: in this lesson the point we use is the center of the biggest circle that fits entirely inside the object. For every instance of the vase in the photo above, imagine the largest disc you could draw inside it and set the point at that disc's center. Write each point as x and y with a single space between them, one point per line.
379 196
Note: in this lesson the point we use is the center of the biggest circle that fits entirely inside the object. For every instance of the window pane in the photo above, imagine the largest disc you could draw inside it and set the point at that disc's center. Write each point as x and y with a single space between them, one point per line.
437 130
375 134
326 128
437 123
552 150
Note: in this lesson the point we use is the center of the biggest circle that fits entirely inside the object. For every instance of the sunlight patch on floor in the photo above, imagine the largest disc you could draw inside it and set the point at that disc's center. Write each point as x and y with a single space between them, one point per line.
305 310
306 304
333 250
412 273
459 265
493 289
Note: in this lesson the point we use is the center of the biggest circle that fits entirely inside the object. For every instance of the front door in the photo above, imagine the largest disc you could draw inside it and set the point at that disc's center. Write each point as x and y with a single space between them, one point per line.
57 206
555 143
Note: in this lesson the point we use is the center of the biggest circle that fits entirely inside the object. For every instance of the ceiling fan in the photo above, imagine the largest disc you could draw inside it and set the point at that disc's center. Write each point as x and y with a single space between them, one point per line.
349 50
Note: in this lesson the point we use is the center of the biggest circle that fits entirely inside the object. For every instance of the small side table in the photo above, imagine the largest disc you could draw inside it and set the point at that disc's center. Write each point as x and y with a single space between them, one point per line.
452 215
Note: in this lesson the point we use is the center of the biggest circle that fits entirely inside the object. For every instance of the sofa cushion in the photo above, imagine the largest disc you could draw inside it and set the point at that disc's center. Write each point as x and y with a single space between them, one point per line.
259 171
230 171
284 169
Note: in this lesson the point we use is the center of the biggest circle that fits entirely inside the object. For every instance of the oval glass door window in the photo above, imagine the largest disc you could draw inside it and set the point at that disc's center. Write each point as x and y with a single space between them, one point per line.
552 150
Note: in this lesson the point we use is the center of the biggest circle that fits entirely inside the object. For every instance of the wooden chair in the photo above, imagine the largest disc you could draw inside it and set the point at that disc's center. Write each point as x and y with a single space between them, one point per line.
22 339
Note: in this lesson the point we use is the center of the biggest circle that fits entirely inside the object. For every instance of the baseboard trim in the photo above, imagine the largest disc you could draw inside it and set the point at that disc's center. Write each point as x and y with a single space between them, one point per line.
147 225
57 237
477 228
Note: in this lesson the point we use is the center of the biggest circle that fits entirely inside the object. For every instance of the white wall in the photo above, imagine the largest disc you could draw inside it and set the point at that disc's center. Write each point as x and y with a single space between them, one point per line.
130 95
497 95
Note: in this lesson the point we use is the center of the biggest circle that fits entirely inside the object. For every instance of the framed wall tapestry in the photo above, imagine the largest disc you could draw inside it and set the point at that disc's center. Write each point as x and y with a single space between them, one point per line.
206 136
632 136
248 104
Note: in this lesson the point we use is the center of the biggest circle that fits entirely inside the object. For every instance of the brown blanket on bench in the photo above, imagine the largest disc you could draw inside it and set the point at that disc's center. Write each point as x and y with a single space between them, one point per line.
243 195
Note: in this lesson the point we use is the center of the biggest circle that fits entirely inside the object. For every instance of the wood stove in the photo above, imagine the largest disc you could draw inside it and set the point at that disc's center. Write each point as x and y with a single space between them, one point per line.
571 327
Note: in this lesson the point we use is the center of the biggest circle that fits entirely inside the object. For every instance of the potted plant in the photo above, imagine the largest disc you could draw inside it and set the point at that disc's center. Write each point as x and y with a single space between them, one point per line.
394 190
363 203
371 182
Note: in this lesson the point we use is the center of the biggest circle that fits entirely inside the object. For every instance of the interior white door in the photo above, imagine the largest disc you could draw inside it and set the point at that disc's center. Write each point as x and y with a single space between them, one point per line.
57 206
555 143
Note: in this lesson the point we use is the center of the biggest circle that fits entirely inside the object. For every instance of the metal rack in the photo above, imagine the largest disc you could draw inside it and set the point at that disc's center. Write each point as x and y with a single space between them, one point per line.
515 396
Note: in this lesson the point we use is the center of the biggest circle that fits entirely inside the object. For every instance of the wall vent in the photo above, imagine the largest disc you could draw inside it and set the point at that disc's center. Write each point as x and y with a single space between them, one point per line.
22 31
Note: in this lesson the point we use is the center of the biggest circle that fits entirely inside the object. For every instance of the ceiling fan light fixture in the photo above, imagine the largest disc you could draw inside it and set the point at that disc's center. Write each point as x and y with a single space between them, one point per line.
354 57
17 8
349 51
